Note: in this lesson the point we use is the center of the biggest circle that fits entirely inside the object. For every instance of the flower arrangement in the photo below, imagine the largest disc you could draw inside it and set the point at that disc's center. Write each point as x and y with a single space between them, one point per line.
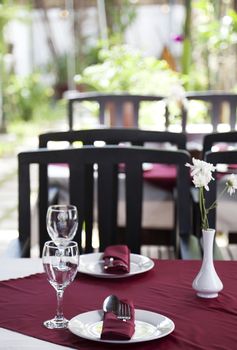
202 174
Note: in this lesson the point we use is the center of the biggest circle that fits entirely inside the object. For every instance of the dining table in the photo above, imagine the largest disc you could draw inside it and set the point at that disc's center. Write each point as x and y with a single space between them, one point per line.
27 299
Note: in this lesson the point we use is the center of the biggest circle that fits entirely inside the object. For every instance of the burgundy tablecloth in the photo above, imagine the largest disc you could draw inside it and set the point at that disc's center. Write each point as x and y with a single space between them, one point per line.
163 175
199 324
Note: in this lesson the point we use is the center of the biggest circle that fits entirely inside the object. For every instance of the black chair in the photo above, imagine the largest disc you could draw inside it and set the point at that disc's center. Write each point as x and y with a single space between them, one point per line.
115 136
80 162
159 183
226 158
215 100
112 101
225 139
220 140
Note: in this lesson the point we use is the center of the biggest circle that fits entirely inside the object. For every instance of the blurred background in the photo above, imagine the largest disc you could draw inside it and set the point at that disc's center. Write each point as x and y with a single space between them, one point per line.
146 47
135 46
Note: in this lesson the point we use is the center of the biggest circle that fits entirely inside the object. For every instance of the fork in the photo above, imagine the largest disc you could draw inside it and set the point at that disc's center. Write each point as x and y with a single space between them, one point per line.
124 312
111 264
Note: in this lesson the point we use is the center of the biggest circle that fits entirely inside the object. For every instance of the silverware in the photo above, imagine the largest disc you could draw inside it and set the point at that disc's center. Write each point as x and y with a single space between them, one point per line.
111 264
124 312
119 308
111 304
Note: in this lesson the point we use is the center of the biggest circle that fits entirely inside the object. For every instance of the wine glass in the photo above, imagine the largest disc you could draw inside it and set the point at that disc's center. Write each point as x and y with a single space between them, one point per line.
61 269
62 222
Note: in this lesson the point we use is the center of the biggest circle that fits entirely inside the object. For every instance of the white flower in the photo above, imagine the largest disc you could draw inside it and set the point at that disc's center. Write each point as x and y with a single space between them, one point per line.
201 172
231 184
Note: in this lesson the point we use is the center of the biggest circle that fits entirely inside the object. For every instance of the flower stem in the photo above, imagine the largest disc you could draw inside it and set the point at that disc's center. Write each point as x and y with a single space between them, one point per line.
214 204
203 210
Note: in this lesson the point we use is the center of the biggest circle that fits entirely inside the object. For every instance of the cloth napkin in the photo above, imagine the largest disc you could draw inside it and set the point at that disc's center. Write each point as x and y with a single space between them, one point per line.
117 259
115 329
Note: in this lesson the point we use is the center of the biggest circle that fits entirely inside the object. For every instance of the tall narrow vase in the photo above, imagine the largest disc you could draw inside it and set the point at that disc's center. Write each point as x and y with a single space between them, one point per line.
207 284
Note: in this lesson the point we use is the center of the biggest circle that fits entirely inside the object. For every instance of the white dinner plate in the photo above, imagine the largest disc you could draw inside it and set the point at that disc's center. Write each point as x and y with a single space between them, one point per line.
148 326
93 264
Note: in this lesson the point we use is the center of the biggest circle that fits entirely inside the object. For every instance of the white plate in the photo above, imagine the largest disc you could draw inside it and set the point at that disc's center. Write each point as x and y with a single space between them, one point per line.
148 326
93 264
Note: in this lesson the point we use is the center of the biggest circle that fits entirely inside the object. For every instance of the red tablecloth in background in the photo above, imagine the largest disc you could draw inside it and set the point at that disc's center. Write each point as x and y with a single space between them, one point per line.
163 175
199 324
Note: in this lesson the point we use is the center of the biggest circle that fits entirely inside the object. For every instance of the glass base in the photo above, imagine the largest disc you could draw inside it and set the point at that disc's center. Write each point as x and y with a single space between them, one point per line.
55 323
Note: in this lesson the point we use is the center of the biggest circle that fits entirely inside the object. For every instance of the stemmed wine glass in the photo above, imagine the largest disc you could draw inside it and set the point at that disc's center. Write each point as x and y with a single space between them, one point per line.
62 222
60 275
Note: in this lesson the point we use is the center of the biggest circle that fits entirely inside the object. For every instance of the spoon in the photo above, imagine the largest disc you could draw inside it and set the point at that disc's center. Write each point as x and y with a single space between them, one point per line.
111 304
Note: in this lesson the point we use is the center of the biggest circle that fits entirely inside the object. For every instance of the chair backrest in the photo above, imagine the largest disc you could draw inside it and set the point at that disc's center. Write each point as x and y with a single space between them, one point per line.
222 157
81 186
116 100
113 136
160 175
226 138
215 99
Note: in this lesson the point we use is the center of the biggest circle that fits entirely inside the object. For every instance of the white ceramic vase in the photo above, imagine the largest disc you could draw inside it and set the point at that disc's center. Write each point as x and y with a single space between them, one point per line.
207 284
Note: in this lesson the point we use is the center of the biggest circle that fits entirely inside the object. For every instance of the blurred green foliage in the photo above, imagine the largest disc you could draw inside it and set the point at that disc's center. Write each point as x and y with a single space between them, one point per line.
23 96
124 69
120 15
213 39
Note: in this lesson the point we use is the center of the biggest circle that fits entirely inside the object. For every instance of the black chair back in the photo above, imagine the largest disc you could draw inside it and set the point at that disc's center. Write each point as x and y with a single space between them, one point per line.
218 137
222 157
81 186
116 102
216 100
113 136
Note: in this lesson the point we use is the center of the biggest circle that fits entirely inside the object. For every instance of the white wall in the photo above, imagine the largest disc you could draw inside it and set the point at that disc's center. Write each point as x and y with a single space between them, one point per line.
153 28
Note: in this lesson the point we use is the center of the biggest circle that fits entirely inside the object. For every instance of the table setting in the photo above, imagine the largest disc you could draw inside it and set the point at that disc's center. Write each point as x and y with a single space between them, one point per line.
93 264
128 300
118 321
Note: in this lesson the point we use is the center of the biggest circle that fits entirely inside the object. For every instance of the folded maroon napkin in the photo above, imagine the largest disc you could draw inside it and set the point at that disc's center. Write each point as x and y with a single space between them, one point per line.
117 259
116 329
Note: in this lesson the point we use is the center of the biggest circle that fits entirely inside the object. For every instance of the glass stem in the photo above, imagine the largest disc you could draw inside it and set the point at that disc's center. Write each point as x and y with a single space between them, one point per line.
59 314
61 252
